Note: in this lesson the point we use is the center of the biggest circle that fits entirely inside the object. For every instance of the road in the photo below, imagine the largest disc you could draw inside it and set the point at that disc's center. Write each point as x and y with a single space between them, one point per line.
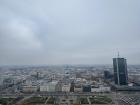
50 94
25 98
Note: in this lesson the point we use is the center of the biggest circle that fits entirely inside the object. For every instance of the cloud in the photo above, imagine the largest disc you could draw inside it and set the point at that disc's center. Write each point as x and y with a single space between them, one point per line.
72 31
19 33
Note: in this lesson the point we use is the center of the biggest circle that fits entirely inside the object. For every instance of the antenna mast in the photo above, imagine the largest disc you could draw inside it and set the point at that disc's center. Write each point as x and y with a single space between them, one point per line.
118 54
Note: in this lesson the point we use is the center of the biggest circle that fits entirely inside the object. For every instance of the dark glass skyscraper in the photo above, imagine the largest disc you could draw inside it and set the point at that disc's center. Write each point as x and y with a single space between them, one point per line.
120 71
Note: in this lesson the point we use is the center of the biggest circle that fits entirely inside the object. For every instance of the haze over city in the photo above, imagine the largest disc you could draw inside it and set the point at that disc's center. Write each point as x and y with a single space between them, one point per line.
68 31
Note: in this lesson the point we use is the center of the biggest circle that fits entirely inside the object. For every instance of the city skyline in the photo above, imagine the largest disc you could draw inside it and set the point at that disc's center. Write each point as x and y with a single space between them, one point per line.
69 32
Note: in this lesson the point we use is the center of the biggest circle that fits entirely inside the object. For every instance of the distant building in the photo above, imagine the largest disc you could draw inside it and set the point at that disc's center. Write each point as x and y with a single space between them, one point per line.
66 88
37 75
107 75
30 88
43 87
8 82
58 87
120 71
78 88
98 89
51 87
86 88
72 87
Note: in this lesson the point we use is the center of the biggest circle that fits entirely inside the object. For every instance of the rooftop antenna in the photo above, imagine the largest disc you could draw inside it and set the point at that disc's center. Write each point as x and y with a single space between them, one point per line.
118 54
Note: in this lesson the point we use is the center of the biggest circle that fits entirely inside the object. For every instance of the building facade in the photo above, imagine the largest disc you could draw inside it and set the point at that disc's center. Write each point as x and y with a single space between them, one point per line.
86 88
29 88
120 71
98 89
66 88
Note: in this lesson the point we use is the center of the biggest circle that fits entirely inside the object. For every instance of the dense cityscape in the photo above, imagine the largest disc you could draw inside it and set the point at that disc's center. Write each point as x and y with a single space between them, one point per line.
114 84
69 52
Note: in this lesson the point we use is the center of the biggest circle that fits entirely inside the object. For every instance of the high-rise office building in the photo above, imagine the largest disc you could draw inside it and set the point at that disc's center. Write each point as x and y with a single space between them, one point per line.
120 71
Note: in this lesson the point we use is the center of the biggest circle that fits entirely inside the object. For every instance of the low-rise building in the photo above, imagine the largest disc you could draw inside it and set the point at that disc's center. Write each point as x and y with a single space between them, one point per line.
43 88
66 88
86 88
51 86
78 88
105 88
58 87
29 88
100 89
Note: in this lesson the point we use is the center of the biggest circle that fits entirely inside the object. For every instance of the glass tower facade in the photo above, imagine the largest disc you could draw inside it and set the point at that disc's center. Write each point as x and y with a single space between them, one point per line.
120 71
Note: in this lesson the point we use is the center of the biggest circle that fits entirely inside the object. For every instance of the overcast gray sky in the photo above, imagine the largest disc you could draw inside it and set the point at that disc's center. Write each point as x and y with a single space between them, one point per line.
69 31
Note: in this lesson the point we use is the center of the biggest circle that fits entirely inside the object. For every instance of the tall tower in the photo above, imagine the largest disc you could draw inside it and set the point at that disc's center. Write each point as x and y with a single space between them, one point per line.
120 71
37 75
